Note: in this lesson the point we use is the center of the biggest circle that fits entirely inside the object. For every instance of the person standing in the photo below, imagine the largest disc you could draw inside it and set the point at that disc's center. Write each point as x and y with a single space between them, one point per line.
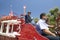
28 18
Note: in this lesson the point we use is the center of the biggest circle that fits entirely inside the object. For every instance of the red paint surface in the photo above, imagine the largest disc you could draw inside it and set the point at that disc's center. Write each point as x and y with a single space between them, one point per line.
28 32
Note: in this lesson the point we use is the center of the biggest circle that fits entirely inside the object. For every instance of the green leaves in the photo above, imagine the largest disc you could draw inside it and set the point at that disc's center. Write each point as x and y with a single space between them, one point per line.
54 11
53 15
36 20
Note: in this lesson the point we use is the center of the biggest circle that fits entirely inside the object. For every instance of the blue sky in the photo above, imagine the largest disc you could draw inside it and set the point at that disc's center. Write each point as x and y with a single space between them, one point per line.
35 6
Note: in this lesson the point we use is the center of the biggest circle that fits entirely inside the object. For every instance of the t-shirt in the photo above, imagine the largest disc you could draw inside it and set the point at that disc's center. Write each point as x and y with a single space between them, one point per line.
42 24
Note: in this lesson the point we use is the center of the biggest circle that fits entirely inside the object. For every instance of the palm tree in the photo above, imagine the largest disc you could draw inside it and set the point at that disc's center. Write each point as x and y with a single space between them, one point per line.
54 12
53 16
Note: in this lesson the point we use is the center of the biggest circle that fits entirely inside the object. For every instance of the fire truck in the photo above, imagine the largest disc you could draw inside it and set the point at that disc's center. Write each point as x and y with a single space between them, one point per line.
14 28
